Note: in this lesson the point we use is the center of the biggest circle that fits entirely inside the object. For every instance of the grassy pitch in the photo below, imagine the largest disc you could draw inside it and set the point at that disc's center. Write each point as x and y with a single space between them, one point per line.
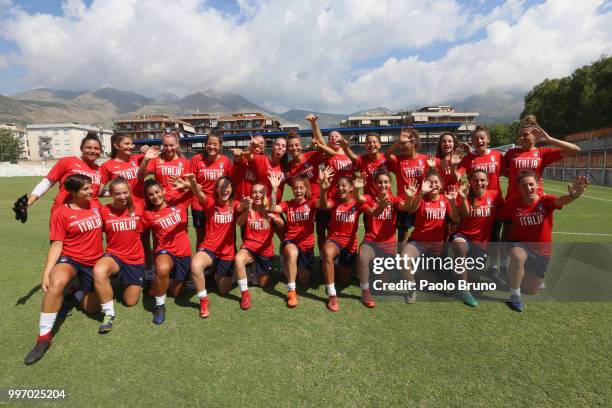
427 354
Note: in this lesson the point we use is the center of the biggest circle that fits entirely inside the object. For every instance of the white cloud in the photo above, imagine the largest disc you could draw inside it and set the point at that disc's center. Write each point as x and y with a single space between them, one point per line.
304 53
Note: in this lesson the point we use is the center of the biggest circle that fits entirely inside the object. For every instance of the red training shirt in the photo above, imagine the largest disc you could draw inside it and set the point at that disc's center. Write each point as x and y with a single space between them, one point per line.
111 169
536 159
207 173
220 229
81 232
300 223
122 229
68 166
478 225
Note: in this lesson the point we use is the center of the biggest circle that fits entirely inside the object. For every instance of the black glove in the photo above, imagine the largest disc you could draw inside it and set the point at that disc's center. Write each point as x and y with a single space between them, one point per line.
21 208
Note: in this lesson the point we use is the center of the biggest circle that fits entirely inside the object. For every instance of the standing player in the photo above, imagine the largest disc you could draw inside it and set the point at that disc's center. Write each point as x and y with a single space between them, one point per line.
531 219
341 241
257 246
168 222
298 246
218 245
304 164
208 167
124 254
478 209
447 162
529 157
76 245
380 240
432 212
409 166
91 148
369 164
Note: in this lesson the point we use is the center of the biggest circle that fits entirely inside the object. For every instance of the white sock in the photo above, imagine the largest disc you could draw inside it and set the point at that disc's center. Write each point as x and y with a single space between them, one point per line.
160 300
515 292
331 289
78 295
364 285
108 308
244 284
47 320
290 285
202 294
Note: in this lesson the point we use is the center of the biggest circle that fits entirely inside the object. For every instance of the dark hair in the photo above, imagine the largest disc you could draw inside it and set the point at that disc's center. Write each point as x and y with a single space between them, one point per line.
292 134
75 182
526 173
116 139
471 196
414 134
215 135
121 180
381 172
306 182
150 183
439 153
474 171
176 136
90 136
480 128
284 161
229 181
372 134
433 172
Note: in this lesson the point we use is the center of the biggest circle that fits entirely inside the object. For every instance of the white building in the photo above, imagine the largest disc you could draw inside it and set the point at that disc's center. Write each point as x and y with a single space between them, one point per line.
57 140
20 134
445 114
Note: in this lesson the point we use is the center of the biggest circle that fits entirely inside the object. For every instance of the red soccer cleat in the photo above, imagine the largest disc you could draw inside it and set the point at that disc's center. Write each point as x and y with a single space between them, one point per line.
292 299
366 299
332 303
204 307
245 302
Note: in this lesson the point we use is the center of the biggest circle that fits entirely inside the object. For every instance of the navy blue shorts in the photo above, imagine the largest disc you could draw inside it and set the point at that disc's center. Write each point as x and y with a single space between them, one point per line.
474 250
182 265
304 259
84 272
263 264
536 264
345 258
199 218
224 268
405 220
130 274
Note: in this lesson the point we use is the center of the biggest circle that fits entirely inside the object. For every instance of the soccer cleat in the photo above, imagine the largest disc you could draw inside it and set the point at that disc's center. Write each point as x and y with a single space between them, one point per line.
107 324
42 345
292 298
468 298
204 307
410 298
366 299
159 314
332 304
245 302
516 303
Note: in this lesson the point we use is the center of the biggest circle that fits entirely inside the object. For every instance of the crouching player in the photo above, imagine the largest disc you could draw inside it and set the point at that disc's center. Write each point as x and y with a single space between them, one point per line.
124 254
478 209
432 211
298 246
76 245
531 224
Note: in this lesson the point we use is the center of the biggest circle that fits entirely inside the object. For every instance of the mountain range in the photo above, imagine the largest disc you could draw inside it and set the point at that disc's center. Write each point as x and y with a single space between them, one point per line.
103 106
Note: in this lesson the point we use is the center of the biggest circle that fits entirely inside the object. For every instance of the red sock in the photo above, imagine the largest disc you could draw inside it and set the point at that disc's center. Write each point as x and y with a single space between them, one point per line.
45 337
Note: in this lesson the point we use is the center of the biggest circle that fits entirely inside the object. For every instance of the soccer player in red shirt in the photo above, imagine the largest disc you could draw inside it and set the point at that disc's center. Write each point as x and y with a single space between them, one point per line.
531 224
380 239
264 166
447 150
369 164
76 245
91 148
478 208
208 167
432 212
218 245
341 241
530 157
257 246
304 164
298 245
124 254
408 166
243 171
168 222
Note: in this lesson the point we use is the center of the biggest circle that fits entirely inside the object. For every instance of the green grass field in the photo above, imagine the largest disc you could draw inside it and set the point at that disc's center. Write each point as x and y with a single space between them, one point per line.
427 354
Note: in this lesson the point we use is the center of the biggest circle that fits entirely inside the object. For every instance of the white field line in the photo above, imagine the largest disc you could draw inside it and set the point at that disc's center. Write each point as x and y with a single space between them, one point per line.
584 195
596 234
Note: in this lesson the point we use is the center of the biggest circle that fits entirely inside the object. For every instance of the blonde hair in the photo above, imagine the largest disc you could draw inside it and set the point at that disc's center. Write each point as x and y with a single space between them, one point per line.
529 121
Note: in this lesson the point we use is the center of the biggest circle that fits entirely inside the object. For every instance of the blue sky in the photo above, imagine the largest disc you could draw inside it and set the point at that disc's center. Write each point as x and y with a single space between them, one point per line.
357 54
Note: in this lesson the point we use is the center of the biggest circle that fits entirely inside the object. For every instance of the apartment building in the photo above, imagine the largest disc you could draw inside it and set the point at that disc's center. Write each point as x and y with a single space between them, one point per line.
57 140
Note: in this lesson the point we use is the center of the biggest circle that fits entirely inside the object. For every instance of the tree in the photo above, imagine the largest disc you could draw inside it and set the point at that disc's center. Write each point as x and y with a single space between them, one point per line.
503 133
10 147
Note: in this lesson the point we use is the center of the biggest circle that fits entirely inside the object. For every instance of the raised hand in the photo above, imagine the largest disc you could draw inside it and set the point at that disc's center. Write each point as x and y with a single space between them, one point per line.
412 188
144 148
425 187
465 147
152 153
383 200
237 152
431 160
451 194
325 178
246 202
540 134
358 182
576 189
343 142
455 160
275 179
464 190
311 118
179 183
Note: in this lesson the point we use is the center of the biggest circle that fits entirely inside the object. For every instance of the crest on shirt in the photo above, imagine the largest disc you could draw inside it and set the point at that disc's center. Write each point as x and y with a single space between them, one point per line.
535 154
306 207
540 207
493 158
133 163
95 211
73 217
221 165
488 201
441 204
420 162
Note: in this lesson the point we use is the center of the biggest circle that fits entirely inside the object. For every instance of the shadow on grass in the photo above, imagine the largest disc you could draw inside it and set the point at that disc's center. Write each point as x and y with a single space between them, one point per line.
24 299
